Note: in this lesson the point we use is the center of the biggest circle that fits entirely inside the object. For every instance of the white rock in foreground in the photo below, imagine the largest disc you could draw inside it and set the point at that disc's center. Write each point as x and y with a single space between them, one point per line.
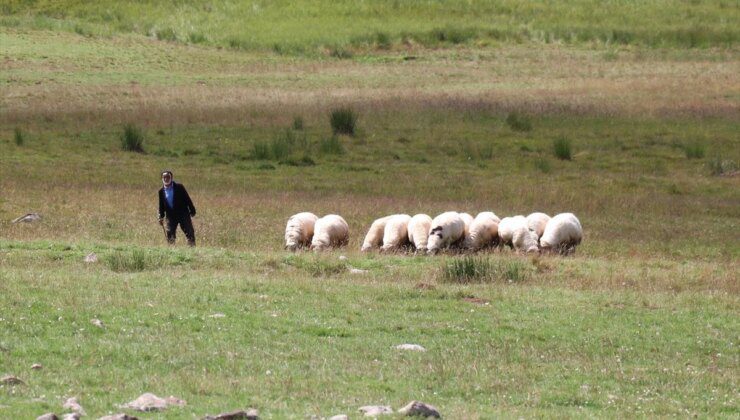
119 416
91 258
74 405
375 410
150 402
417 408
412 347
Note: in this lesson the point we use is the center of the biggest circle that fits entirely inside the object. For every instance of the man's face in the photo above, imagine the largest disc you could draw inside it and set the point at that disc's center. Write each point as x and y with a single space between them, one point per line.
166 179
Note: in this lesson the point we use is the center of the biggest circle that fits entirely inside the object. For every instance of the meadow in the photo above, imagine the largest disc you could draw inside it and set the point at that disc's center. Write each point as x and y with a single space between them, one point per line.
471 106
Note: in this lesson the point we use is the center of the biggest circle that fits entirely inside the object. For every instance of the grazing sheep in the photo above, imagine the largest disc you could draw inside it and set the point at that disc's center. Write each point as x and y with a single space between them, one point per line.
483 231
330 231
468 219
514 232
374 237
446 229
562 234
419 226
396 233
537 222
299 230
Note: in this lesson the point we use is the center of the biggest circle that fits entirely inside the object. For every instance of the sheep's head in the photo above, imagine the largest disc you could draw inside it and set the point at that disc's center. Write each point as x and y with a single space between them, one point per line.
366 248
435 240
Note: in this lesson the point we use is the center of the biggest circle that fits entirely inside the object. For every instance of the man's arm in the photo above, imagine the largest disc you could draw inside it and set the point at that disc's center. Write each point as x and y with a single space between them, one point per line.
188 201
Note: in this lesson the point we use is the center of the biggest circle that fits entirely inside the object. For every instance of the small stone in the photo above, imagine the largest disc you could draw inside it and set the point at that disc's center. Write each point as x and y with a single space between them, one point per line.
74 405
11 380
375 410
27 218
251 414
411 347
217 315
339 417
119 416
36 366
98 323
343 258
357 271
47 416
150 402
417 408
91 258
72 416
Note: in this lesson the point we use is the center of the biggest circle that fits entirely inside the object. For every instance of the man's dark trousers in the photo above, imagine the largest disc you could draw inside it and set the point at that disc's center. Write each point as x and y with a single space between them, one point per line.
186 224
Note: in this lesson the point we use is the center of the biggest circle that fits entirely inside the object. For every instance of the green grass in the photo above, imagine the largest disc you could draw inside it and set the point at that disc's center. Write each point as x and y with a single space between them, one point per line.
340 25
641 322
132 139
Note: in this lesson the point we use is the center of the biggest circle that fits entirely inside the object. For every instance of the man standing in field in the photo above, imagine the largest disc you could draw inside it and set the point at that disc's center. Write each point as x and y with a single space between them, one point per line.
175 204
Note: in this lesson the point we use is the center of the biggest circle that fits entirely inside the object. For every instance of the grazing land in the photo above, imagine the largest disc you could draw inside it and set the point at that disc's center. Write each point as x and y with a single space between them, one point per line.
623 113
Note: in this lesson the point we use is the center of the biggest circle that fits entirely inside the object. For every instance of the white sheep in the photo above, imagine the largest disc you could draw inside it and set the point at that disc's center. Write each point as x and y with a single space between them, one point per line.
330 231
483 231
514 232
562 234
396 234
468 220
537 222
374 237
419 226
446 230
299 230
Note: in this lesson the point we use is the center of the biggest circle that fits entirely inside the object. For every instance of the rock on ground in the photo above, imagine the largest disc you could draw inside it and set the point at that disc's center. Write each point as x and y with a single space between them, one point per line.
119 416
375 410
72 416
27 218
150 402
251 414
339 417
74 405
47 416
36 366
11 380
91 258
412 347
417 408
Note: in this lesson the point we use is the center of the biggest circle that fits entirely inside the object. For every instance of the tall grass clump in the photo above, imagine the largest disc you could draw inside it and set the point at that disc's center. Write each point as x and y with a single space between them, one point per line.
331 146
132 139
472 269
543 165
694 150
562 149
18 136
518 122
343 121
297 123
284 147
130 261
719 167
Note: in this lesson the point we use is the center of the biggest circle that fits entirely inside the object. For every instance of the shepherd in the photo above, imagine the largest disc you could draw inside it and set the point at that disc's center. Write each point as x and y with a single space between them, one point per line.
176 208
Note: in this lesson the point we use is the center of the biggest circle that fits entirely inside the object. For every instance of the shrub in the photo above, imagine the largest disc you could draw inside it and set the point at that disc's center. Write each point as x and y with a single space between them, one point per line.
518 122
304 160
197 38
331 146
471 269
562 149
382 40
132 139
694 150
297 123
543 165
18 135
341 53
261 150
166 34
135 260
719 167
343 121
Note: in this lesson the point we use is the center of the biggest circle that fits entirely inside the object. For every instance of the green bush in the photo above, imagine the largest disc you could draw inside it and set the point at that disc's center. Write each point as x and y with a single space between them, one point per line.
131 261
18 136
261 150
543 165
331 146
472 269
518 122
343 121
297 123
694 150
166 34
562 149
132 139
197 38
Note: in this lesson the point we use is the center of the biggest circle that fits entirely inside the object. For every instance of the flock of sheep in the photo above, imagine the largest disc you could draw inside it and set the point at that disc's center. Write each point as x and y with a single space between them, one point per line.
537 232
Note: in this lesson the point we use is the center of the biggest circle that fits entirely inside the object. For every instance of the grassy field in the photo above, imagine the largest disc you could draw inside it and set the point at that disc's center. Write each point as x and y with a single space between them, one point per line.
643 321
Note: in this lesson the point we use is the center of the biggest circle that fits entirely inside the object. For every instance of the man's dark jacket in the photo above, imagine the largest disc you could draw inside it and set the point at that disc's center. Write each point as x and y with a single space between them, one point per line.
182 204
